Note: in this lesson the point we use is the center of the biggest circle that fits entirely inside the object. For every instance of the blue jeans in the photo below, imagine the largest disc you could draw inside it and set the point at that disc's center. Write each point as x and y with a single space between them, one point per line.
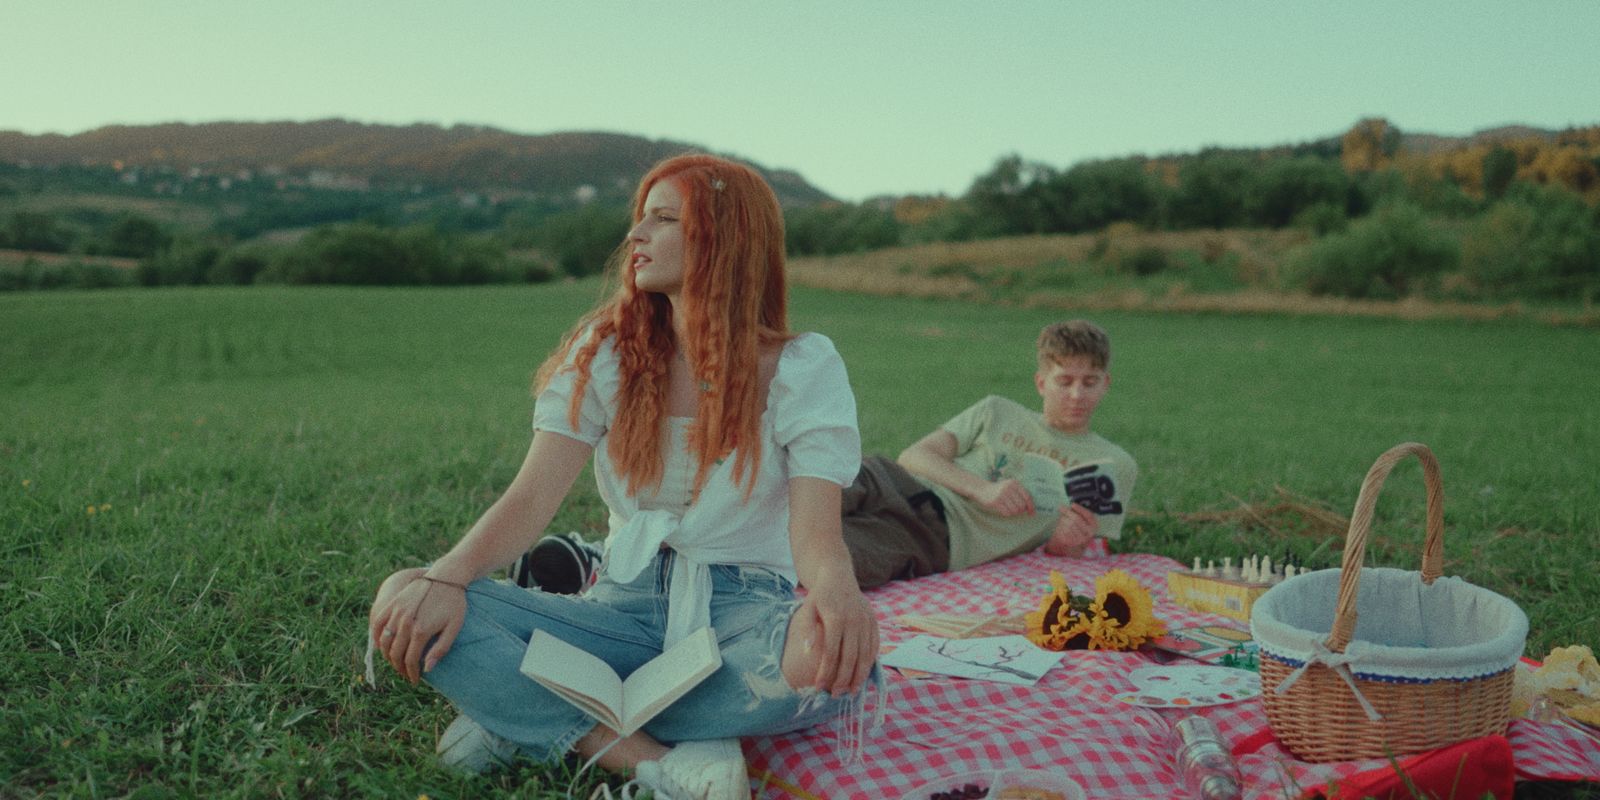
622 624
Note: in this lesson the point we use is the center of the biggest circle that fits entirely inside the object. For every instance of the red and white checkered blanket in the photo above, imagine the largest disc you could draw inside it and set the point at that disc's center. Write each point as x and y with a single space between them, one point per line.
936 727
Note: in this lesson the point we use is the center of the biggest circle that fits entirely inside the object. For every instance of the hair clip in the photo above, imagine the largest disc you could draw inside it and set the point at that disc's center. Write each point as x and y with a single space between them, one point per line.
718 184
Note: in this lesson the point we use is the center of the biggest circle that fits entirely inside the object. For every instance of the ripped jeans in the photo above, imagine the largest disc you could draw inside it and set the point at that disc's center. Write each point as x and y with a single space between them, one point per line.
623 625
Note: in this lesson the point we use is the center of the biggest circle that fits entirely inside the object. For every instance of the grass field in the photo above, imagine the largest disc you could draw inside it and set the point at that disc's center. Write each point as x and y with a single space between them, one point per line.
200 489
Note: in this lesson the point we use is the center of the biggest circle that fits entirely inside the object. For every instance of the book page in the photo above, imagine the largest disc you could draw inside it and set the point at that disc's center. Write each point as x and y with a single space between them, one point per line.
668 677
578 676
1041 476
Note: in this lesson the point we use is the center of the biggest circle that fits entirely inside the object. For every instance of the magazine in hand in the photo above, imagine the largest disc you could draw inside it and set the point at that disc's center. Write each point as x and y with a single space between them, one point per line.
624 706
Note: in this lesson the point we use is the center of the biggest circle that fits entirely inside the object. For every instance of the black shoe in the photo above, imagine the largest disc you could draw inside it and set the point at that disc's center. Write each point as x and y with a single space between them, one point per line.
560 564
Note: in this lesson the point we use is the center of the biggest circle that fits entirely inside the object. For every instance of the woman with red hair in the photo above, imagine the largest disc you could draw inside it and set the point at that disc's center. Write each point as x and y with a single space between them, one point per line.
720 443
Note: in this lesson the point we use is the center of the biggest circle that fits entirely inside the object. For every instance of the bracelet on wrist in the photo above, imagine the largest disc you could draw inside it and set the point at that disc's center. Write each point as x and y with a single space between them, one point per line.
430 579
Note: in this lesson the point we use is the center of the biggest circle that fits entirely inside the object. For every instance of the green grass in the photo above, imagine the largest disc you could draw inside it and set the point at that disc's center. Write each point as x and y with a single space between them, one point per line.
258 459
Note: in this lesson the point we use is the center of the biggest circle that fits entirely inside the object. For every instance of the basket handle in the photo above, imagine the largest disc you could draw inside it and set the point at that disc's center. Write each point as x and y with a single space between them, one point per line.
1355 545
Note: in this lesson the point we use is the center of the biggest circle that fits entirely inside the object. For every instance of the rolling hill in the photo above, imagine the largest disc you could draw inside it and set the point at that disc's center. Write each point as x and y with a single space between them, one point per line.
460 156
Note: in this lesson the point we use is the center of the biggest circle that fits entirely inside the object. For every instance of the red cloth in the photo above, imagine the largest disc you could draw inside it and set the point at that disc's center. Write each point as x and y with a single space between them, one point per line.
1470 769
1070 721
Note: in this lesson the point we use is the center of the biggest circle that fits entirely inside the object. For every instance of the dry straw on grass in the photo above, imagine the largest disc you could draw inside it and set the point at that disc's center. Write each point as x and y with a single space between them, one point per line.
1292 515
975 270
18 257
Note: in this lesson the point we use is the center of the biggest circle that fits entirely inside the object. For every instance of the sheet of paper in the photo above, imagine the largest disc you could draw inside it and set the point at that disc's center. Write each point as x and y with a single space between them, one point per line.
1006 659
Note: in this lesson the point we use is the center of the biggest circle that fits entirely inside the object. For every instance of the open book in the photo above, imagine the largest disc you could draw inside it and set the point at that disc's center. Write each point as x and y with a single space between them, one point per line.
585 681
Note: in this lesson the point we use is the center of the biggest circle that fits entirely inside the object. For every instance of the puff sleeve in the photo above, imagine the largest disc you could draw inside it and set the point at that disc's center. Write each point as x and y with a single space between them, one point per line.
814 412
550 408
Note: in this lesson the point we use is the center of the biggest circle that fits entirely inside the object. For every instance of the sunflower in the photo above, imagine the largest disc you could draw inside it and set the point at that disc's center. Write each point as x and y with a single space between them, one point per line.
1105 633
1121 603
1061 622
1043 627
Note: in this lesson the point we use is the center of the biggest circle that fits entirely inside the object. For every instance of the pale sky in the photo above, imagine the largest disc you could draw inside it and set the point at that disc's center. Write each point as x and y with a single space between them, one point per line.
861 97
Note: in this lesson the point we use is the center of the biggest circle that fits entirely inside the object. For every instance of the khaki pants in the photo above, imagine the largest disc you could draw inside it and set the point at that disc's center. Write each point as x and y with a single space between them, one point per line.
893 525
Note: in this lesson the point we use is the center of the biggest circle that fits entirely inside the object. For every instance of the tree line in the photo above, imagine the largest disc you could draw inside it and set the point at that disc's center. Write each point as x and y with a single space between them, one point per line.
1515 218
1496 220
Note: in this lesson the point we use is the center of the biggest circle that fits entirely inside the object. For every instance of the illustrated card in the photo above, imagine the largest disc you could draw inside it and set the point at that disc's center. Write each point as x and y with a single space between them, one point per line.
1006 659
1207 643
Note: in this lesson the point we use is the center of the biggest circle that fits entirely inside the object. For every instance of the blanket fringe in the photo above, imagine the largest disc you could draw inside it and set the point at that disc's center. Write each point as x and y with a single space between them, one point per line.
862 716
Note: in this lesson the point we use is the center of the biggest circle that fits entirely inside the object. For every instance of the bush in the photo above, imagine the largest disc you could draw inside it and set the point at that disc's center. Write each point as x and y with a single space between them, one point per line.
31 275
527 268
839 228
135 236
186 260
581 241
1541 242
363 254
1499 170
1323 219
1386 255
36 230
1146 261
239 266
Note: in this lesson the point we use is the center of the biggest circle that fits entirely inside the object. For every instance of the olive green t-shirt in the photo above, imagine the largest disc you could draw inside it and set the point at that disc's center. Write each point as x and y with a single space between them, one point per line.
991 438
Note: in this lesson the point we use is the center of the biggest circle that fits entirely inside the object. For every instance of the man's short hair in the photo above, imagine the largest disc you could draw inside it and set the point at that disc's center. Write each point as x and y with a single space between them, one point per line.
1076 337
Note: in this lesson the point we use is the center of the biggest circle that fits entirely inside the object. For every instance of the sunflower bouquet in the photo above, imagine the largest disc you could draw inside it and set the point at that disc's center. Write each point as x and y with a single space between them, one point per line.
1120 616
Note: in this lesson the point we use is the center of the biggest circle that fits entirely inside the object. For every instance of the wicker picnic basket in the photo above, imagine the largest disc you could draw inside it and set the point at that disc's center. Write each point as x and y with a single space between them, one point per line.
1428 664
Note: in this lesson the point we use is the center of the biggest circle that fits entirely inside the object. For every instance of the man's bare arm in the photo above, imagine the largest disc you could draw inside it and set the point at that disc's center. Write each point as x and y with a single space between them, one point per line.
932 458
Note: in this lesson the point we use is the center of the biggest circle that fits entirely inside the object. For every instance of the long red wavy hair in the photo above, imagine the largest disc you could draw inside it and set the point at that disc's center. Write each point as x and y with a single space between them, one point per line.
735 300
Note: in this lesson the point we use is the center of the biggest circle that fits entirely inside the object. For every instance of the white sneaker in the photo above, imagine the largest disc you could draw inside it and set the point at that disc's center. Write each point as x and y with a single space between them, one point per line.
466 746
704 769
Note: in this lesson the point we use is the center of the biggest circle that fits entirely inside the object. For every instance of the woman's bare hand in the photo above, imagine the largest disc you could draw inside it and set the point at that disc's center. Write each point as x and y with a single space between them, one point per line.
409 612
837 626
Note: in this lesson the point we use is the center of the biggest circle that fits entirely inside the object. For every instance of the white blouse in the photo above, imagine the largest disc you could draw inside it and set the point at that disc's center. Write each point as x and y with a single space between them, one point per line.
808 430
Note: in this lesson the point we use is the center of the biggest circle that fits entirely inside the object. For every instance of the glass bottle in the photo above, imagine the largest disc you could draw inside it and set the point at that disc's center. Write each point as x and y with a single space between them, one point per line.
1205 762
